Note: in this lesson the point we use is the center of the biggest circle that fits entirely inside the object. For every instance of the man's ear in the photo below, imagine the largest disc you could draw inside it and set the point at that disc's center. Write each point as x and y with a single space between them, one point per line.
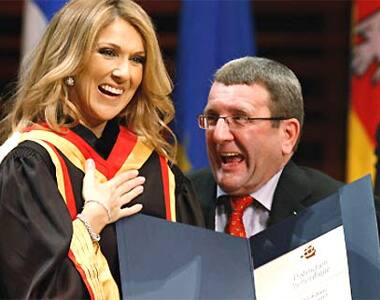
290 130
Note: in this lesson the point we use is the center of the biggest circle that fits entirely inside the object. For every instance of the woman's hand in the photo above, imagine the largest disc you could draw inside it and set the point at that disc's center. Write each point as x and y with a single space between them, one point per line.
104 201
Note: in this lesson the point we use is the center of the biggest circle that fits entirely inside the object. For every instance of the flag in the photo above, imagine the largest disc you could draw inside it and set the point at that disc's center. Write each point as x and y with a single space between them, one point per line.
364 111
210 34
37 13
377 152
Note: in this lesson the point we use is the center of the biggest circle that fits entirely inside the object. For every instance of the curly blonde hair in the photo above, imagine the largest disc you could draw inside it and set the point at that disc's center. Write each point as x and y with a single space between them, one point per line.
64 49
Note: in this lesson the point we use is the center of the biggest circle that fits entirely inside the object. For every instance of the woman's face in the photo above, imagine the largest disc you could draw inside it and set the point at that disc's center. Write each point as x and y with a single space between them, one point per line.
111 77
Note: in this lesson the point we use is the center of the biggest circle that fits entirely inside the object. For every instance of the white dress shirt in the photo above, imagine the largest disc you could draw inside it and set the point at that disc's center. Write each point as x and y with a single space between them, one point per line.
255 217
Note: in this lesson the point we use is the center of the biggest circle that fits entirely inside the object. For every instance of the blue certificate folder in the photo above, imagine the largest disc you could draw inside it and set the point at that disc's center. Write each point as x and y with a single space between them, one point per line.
164 260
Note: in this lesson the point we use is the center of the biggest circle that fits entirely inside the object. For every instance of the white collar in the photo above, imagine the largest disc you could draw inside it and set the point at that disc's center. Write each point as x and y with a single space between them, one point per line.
263 195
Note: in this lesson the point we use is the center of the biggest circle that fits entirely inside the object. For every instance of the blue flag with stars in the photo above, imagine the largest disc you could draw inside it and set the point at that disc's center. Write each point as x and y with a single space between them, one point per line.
210 34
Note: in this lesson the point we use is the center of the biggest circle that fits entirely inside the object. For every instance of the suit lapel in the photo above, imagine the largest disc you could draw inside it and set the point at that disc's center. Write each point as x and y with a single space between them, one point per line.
292 190
210 206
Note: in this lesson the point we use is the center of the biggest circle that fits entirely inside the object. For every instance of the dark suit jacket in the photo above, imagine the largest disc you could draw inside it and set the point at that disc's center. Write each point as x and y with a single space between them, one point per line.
297 188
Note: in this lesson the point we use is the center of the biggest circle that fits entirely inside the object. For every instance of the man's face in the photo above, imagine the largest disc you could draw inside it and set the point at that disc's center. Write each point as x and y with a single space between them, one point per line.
243 159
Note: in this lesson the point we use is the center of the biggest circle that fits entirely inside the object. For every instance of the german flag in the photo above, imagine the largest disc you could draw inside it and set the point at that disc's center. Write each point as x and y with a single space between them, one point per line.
364 111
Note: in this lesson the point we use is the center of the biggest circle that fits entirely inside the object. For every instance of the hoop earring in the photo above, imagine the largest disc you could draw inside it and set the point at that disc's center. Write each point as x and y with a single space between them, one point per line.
69 81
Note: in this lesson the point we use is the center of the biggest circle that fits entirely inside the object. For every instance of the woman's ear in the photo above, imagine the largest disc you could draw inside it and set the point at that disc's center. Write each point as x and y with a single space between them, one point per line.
291 130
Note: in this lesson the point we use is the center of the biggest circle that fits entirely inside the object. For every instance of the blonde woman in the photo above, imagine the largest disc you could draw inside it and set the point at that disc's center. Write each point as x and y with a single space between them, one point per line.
93 99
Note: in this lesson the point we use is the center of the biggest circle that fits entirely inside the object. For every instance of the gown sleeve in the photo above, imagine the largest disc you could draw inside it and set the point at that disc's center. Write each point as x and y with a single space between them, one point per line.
188 208
36 230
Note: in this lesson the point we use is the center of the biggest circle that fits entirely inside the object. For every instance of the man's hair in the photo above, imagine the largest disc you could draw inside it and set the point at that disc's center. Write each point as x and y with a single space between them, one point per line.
282 84
66 47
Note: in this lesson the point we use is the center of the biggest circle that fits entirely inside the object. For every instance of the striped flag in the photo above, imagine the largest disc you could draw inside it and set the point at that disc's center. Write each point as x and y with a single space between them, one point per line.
377 178
364 112
37 13
210 34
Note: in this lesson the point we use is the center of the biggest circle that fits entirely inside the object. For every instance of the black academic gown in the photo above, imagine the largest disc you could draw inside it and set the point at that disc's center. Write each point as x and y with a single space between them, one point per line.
36 225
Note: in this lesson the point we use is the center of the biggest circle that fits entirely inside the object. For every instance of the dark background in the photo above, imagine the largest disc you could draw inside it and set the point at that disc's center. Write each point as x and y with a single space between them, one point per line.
311 37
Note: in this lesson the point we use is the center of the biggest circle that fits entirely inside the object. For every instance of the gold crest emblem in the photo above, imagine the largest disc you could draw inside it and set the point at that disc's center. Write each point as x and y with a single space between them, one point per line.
309 252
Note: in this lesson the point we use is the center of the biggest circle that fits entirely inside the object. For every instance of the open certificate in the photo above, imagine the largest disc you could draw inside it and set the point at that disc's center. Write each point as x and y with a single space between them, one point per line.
328 251
317 270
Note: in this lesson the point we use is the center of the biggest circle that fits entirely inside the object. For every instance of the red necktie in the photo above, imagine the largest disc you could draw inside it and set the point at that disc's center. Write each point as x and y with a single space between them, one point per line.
235 225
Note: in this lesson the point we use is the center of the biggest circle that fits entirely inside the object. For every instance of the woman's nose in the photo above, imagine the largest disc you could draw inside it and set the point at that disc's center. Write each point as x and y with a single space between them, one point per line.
122 71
